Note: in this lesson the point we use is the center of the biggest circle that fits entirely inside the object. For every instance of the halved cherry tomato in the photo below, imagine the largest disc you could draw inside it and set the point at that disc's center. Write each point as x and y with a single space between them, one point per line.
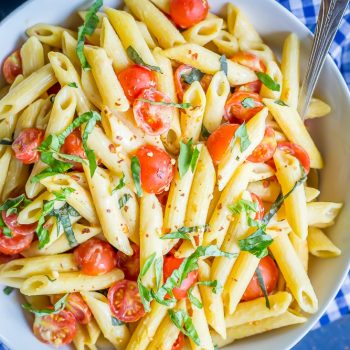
54 90
73 145
125 302
6 258
179 343
95 257
242 106
56 329
249 60
136 78
269 272
130 265
163 198
16 228
266 149
296 151
151 118
15 244
76 305
261 210
253 86
157 170
170 264
186 13
26 144
219 141
12 67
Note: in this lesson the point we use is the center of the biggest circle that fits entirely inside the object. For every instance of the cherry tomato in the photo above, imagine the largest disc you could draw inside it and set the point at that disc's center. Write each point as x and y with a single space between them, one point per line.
56 329
76 305
151 118
179 343
12 67
130 265
157 170
163 198
16 228
73 145
136 78
187 13
125 302
260 212
219 141
95 257
266 149
170 264
54 90
296 151
269 272
15 244
253 86
242 106
249 60
6 258
26 144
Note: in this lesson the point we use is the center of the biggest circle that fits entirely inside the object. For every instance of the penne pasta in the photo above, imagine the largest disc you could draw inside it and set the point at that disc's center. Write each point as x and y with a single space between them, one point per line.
320 245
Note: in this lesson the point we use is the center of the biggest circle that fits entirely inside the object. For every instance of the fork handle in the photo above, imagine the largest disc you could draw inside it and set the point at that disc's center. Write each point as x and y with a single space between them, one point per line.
329 18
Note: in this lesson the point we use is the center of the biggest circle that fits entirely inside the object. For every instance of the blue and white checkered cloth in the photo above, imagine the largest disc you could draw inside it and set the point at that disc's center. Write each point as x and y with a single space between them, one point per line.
306 11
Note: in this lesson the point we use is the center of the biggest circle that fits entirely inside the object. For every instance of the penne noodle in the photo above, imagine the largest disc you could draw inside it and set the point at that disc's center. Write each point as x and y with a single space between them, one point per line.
226 43
320 245
32 55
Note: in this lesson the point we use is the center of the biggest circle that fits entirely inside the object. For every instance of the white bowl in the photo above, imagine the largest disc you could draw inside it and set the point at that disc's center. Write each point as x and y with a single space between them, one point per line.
331 135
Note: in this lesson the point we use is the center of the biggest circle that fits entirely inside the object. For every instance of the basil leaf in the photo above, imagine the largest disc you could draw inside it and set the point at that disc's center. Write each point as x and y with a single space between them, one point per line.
116 322
57 169
194 75
8 290
241 134
262 286
136 174
163 103
136 58
145 295
195 301
184 323
243 205
281 103
205 133
158 266
89 26
14 202
120 185
6 142
223 64
216 285
268 81
73 85
256 243
187 158
147 265
58 307
182 233
123 200
248 102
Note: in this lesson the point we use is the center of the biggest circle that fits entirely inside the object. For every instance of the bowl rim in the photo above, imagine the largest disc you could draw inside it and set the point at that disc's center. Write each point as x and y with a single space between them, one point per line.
339 78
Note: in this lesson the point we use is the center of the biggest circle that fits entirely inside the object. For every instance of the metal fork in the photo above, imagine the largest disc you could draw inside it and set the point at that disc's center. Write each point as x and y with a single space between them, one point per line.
329 18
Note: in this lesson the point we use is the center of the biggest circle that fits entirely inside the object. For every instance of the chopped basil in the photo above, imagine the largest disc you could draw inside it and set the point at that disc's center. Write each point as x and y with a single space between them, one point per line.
158 266
89 26
120 185
241 134
182 233
136 58
223 64
8 290
183 321
262 286
188 157
248 102
5 230
195 301
205 133
11 205
136 174
123 200
163 103
116 322
6 142
281 103
243 205
73 85
216 289
194 75
58 307
268 81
